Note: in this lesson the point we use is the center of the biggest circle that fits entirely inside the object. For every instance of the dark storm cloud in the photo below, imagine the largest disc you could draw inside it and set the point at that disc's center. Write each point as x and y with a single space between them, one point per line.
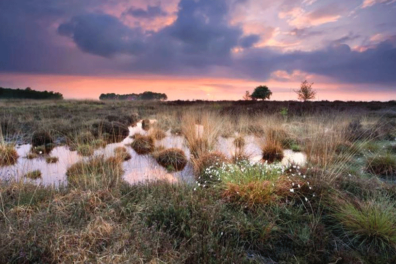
150 12
199 40
102 35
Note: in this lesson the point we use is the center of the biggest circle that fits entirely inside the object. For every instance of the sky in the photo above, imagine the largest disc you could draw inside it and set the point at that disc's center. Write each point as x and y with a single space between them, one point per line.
200 49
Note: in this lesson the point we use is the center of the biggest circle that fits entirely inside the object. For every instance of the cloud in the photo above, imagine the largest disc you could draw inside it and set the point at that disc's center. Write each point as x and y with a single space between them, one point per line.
149 13
368 3
249 41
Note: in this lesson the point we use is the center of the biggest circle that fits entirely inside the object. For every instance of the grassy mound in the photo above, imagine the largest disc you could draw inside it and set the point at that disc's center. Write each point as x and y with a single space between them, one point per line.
110 131
146 124
172 159
143 145
382 165
51 160
8 155
41 138
158 134
122 154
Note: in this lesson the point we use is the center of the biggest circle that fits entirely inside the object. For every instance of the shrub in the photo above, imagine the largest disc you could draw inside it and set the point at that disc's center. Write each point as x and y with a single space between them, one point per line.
143 145
272 152
52 160
172 159
206 162
8 155
41 138
382 165
34 175
98 173
43 149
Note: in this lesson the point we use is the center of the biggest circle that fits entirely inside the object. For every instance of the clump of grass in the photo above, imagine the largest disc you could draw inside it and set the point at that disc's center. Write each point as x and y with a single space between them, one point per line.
295 148
43 149
97 173
51 160
272 152
34 175
239 142
122 153
85 150
369 224
384 165
32 155
256 130
205 163
199 146
110 131
8 155
172 159
143 145
41 138
85 137
158 133
146 124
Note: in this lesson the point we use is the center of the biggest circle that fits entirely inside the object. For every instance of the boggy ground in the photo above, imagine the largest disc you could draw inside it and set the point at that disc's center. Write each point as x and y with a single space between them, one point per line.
337 208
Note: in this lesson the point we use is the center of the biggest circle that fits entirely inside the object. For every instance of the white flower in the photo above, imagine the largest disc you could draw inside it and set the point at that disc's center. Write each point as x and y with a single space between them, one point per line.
306 199
299 186
310 187
292 190
195 189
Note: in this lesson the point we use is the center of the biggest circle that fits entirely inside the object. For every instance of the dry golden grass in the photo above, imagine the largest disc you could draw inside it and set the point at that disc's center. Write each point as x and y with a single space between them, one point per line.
8 155
172 159
143 144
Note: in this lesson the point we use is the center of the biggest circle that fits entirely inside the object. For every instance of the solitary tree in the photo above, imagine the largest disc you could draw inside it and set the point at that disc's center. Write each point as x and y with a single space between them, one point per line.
261 92
306 92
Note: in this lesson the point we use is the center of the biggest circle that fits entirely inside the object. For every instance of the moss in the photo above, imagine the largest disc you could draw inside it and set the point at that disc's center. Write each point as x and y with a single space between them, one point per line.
34 175
172 159
8 155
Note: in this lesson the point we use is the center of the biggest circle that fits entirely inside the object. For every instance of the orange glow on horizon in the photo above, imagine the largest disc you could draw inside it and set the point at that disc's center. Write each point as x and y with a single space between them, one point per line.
183 88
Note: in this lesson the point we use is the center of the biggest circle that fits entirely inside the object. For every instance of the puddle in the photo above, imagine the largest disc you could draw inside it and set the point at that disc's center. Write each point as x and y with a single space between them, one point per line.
139 168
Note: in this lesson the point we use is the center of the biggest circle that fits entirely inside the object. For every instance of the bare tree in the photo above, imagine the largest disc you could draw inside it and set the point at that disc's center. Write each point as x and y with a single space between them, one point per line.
247 96
306 92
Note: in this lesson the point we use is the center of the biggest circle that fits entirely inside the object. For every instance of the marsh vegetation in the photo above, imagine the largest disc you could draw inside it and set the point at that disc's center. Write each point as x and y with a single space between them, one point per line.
197 182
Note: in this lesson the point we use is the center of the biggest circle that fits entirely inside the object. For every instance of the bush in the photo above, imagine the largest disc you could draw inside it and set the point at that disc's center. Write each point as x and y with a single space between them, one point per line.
8 155
172 159
97 173
272 152
41 138
382 165
143 145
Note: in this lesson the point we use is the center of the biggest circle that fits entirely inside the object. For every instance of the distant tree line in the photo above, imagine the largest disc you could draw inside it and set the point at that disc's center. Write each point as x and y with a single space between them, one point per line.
28 93
134 97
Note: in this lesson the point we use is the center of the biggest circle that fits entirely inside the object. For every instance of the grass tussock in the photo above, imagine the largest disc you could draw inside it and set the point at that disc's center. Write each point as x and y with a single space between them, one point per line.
172 159
158 133
41 138
384 165
206 163
85 150
272 152
143 145
51 160
122 153
368 224
8 155
97 173
34 175
146 124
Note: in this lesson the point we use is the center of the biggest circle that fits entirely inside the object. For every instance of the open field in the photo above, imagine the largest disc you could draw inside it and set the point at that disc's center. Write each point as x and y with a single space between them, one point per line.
197 182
